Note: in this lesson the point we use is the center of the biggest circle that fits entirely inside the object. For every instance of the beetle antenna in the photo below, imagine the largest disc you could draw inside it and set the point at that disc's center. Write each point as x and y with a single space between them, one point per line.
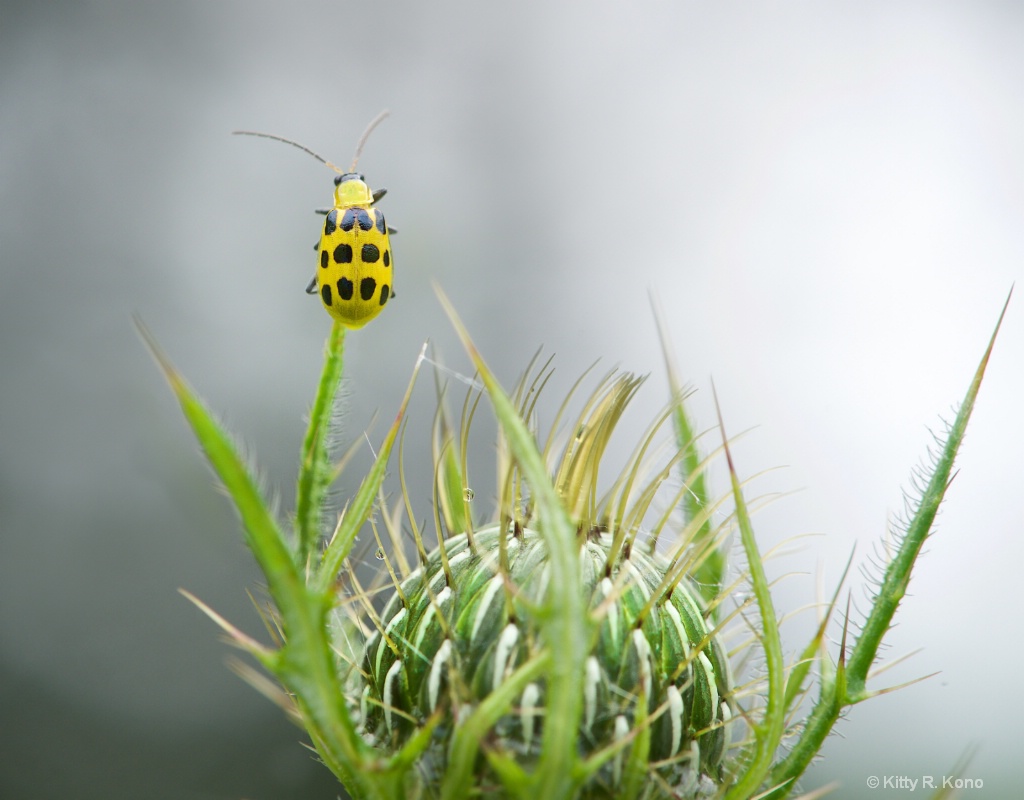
302 147
377 120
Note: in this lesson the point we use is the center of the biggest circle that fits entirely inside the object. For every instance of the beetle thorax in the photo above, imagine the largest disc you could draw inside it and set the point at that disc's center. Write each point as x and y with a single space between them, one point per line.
352 191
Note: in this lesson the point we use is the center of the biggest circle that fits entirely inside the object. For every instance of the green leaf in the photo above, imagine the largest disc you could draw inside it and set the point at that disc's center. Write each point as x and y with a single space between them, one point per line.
635 771
262 533
472 731
305 663
565 623
768 732
452 487
697 499
893 586
800 670
513 777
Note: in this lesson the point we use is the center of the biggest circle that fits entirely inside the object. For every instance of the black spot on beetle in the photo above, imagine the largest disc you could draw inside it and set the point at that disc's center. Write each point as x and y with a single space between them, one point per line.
353 216
345 288
331 222
324 259
380 223
387 258
367 286
325 294
343 253
384 291
370 253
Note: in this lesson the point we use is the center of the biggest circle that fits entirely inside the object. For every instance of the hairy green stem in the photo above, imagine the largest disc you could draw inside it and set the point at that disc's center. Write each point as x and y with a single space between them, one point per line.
315 468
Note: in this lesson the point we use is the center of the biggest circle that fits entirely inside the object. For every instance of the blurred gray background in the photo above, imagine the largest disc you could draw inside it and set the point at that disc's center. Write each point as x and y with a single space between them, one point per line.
827 198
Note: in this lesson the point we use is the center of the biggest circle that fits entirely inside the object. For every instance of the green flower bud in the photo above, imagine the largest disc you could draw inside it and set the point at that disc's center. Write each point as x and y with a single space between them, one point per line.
447 643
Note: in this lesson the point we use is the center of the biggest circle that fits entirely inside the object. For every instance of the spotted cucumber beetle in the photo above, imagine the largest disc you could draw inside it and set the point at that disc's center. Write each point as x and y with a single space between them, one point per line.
355 277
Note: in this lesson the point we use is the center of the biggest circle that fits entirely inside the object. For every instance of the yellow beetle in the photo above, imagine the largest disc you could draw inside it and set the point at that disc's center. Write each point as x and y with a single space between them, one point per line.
355 272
